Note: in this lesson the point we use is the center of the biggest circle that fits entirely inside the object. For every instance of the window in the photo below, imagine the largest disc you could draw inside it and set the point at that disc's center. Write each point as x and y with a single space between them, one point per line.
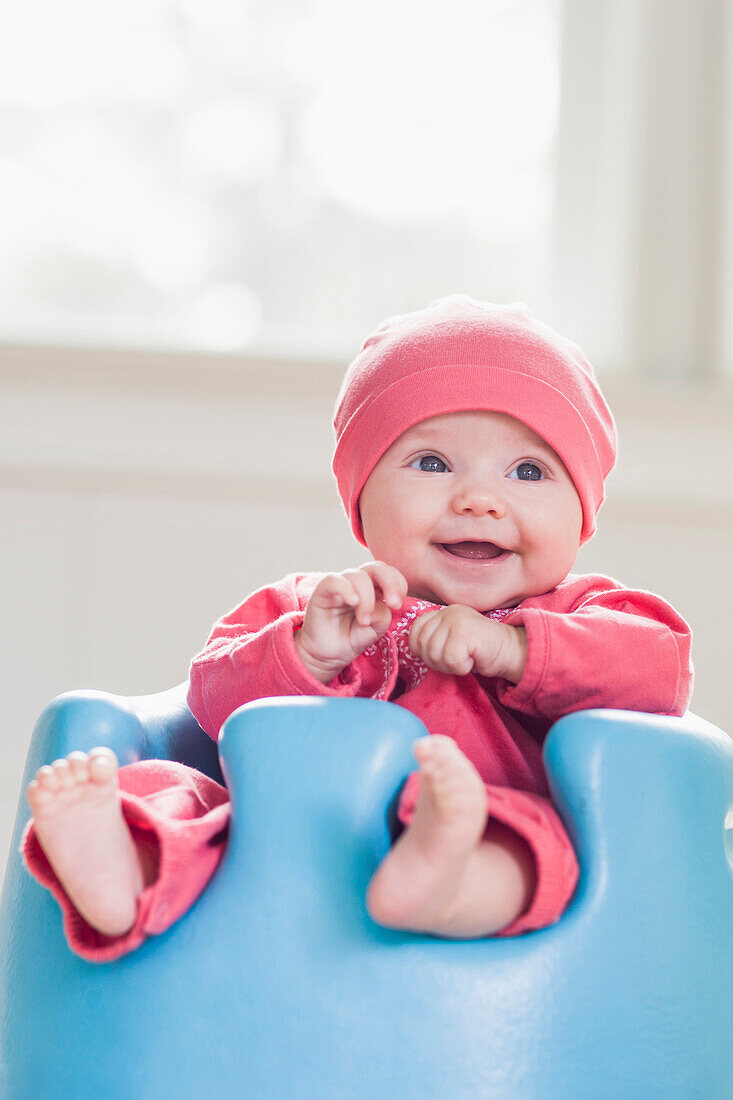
271 176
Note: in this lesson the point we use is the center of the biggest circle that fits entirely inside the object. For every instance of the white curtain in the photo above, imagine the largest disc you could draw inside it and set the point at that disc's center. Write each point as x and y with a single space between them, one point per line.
643 233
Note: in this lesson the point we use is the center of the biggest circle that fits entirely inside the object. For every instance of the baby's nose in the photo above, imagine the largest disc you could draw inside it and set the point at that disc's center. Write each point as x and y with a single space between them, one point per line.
478 500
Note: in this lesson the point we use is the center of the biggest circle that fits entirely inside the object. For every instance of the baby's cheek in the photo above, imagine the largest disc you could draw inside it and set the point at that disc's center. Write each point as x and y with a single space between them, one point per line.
561 547
545 547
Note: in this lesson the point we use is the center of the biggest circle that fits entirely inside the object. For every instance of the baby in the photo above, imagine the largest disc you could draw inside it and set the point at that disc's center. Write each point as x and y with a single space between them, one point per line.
472 446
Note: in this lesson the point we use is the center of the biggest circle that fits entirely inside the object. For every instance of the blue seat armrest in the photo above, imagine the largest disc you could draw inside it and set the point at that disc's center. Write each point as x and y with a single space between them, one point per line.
158 726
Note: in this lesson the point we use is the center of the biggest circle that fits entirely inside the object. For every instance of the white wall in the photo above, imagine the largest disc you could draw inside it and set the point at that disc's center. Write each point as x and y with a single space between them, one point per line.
144 494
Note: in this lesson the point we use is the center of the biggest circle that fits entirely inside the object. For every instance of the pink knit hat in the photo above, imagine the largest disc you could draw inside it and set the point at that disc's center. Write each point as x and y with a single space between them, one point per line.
461 354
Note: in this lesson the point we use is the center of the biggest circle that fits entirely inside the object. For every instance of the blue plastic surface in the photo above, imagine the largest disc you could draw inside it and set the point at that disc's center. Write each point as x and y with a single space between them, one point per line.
277 984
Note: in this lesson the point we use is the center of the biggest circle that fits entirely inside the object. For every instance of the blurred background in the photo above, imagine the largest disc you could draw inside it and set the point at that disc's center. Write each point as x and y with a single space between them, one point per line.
205 207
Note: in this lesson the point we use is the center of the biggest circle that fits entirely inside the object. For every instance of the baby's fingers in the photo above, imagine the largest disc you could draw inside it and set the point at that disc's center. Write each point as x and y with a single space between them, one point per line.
433 643
389 581
362 585
454 655
334 591
438 642
422 630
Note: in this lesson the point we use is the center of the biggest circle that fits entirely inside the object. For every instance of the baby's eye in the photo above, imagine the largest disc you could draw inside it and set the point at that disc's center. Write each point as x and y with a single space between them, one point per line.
430 464
528 471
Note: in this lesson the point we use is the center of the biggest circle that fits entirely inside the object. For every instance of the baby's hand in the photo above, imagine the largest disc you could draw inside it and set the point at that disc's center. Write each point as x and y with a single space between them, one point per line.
346 613
459 640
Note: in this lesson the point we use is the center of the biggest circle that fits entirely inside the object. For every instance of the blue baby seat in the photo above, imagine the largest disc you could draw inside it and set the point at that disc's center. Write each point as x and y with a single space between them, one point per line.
278 986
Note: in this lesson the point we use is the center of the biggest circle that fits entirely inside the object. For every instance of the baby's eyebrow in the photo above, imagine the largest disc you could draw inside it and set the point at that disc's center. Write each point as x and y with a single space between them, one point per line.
542 448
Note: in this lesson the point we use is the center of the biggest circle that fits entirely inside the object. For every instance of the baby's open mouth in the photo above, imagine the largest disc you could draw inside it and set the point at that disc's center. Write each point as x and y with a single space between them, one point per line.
477 551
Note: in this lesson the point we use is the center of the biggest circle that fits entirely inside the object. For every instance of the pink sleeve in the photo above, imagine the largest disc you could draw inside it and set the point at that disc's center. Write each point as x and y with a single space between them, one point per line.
621 649
556 866
536 821
251 654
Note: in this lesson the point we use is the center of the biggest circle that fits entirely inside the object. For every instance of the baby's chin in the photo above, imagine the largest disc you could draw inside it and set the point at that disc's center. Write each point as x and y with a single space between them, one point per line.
477 601
473 596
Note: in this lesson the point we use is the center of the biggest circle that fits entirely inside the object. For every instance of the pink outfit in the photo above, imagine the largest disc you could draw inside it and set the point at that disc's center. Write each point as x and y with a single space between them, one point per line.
591 643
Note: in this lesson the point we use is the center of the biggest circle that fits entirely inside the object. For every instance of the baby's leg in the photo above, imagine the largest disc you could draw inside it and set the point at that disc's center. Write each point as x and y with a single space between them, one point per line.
79 824
449 874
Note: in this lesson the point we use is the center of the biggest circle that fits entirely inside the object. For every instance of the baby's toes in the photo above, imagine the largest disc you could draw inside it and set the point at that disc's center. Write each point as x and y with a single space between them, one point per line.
445 749
46 779
102 765
432 749
64 775
445 758
39 796
423 749
452 773
79 765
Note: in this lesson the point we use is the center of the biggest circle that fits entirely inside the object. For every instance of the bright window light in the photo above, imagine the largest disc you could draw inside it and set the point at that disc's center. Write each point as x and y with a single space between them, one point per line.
235 176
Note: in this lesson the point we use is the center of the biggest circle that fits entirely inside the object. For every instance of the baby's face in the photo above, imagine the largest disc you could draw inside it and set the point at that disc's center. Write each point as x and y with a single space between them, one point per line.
474 509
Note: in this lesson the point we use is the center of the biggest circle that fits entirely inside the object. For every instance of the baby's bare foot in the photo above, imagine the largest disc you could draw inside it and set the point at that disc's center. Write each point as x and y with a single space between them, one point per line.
417 885
80 826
